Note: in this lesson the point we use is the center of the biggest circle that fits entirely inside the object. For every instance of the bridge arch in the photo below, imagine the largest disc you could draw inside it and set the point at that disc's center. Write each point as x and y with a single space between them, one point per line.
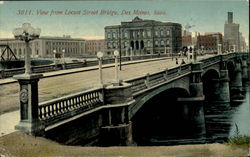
179 84
209 79
159 117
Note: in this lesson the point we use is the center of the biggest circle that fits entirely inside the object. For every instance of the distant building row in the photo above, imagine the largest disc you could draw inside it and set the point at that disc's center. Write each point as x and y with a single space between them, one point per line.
209 42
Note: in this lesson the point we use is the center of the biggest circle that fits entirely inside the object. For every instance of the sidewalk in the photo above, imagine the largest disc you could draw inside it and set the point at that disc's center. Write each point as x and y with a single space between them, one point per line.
76 70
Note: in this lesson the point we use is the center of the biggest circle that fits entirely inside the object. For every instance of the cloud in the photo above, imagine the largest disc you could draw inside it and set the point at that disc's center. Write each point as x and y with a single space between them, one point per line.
1 2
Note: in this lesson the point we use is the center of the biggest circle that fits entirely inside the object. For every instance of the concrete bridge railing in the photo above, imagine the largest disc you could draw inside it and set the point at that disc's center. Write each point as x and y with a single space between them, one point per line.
142 83
56 110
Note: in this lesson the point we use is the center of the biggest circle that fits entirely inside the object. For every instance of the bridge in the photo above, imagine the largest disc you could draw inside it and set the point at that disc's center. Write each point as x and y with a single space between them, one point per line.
138 107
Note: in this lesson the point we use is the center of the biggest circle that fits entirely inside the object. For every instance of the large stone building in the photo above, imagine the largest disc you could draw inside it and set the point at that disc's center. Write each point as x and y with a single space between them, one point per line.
138 37
43 47
231 34
94 46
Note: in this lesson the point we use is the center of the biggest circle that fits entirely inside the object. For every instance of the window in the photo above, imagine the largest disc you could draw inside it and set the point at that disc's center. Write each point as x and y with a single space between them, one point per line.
138 34
148 33
167 42
161 33
114 44
125 35
143 34
133 34
162 43
108 44
114 35
108 35
168 32
156 33
156 43
125 44
148 43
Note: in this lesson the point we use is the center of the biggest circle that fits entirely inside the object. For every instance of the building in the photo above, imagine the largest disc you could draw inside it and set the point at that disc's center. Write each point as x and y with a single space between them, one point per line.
209 42
94 46
243 45
186 40
139 37
231 33
44 47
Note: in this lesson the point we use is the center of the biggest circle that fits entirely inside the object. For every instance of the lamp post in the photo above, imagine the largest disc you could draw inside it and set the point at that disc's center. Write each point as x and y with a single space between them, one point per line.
29 121
219 49
100 56
54 52
27 33
116 54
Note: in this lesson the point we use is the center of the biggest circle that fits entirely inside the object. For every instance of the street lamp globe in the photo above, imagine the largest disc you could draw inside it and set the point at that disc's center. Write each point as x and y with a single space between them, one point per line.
99 54
27 33
116 53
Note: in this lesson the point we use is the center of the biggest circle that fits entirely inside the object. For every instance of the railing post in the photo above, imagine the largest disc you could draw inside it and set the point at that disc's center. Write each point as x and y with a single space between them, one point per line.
29 120
147 80
165 75
117 129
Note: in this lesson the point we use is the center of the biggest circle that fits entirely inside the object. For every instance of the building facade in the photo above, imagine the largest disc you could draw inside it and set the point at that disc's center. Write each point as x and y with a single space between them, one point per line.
44 47
231 33
140 37
209 42
94 46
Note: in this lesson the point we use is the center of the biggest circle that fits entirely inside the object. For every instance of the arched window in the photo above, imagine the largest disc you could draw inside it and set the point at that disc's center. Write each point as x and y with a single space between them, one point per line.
148 33
156 43
156 33
167 42
108 35
168 32
161 33
125 34
148 43
114 35
114 45
142 44
162 43
132 44
137 45
108 45
125 44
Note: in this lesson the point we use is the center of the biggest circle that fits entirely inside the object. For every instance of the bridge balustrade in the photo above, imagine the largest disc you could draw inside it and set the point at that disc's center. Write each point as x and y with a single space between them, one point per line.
58 109
144 82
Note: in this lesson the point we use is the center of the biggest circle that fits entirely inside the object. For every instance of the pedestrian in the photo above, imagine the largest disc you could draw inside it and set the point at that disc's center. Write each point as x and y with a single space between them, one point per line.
176 59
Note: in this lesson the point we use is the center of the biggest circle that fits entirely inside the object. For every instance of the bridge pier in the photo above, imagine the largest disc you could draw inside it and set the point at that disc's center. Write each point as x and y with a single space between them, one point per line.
117 130
193 109
244 74
29 121
236 84
221 93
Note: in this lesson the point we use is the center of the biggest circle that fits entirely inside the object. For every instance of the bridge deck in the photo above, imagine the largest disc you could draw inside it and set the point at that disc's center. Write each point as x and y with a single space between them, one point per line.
54 87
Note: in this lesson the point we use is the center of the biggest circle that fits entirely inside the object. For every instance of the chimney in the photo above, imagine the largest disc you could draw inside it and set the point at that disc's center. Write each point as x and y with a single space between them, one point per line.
230 17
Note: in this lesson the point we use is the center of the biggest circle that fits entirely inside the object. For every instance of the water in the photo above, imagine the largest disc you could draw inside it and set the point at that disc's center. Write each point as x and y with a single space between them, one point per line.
227 120
241 117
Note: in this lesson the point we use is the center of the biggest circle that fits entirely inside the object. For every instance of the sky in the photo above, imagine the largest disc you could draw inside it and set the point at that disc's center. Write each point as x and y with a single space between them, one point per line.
203 15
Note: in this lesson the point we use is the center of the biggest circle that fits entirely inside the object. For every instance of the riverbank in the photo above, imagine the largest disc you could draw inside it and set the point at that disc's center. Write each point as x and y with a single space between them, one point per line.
18 144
